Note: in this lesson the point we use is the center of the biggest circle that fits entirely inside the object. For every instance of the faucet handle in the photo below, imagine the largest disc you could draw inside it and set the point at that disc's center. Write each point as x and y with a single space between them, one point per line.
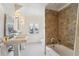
6 38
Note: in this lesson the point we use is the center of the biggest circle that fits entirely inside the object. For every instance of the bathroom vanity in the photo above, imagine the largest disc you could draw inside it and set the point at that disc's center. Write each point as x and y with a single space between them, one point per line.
16 42
14 38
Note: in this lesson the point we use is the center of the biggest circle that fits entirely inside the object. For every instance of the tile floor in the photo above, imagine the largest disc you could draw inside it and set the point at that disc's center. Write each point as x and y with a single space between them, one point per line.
33 50
36 49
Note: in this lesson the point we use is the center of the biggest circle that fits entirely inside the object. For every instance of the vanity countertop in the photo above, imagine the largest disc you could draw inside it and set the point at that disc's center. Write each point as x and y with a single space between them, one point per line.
16 40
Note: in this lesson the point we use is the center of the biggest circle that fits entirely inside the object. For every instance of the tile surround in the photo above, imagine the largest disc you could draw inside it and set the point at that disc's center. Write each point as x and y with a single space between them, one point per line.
62 25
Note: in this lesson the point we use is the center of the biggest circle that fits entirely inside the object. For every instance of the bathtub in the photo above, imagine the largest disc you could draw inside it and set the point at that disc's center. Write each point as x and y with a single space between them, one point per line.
61 50
51 52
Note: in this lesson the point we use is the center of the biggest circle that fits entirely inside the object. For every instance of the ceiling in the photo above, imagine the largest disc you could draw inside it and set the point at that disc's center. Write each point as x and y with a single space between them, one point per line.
32 4
11 8
56 6
52 6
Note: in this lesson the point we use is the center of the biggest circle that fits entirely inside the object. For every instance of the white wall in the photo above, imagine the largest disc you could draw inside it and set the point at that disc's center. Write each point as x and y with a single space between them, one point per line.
9 8
34 13
76 45
1 21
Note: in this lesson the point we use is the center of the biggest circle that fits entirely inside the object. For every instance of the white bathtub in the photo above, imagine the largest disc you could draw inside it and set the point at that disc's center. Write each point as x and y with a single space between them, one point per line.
61 50
51 52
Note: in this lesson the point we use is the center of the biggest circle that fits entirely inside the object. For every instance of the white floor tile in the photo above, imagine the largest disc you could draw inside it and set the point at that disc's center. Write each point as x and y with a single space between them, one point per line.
36 49
33 50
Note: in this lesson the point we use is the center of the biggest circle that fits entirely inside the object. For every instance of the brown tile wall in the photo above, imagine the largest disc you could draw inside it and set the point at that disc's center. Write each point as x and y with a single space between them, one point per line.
62 25
67 25
51 19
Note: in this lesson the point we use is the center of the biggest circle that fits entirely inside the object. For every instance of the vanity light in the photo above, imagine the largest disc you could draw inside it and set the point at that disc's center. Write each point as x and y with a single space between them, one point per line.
17 13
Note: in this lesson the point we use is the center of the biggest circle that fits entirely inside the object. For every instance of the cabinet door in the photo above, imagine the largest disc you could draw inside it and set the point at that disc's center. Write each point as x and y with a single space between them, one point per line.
0 50
4 51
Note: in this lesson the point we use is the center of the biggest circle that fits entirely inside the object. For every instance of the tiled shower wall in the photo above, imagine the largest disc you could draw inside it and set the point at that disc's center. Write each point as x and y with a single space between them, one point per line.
64 25
67 25
51 25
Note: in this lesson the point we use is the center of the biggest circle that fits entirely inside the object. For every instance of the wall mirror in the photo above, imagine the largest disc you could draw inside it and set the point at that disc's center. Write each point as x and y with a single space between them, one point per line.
14 25
8 26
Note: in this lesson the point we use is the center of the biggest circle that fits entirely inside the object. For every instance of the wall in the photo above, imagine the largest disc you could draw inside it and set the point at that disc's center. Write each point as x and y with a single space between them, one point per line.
34 14
9 9
51 21
1 21
76 50
67 25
